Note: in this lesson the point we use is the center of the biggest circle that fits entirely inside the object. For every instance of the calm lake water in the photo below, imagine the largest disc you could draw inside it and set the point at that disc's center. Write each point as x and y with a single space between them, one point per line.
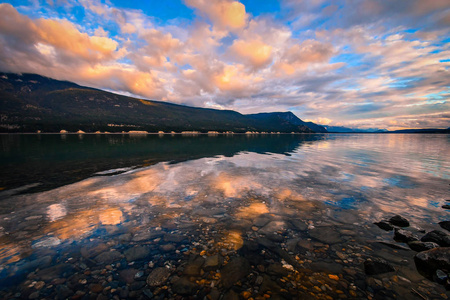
277 216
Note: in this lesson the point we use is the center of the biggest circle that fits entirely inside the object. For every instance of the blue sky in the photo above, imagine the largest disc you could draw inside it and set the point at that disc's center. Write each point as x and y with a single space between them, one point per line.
348 63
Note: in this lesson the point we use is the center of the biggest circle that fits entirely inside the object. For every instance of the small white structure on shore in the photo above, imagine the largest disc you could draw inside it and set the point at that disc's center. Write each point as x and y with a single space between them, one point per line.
213 132
80 132
160 132
63 131
190 132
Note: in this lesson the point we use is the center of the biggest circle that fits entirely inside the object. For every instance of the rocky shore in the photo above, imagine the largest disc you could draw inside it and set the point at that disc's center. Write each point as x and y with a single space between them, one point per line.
209 254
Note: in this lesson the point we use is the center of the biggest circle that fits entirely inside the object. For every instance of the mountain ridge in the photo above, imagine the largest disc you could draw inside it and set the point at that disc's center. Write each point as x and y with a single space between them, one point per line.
31 102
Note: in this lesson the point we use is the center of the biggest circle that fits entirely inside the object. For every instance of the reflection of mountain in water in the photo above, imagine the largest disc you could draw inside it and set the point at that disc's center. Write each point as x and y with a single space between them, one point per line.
55 160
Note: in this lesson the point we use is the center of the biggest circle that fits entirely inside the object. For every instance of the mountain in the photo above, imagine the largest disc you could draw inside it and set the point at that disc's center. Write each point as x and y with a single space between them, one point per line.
340 129
422 130
286 118
32 102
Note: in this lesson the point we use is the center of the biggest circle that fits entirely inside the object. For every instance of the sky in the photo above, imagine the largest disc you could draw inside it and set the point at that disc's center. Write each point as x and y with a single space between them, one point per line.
353 63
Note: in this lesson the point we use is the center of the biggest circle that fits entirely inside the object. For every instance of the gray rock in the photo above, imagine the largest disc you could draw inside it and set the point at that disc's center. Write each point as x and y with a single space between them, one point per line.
158 277
211 263
445 225
422 246
234 271
440 276
437 236
167 248
428 262
184 287
175 238
136 253
404 236
193 268
128 275
298 225
146 235
326 235
398 220
57 271
108 257
376 266
273 227
385 225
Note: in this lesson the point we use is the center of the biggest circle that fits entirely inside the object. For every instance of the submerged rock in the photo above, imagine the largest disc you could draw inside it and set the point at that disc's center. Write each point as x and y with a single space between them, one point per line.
422 246
108 257
234 271
376 266
184 287
401 235
385 225
398 220
158 276
445 225
137 253
437 236
326 235
428 262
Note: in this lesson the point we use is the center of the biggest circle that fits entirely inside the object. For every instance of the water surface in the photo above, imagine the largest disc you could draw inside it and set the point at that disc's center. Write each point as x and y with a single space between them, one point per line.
297 209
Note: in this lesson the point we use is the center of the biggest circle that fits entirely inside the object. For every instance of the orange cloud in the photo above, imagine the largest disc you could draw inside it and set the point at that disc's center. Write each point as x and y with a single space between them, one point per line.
223 13
253 52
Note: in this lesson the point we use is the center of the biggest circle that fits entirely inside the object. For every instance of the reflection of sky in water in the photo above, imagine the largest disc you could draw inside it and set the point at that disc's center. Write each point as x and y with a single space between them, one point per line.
374 175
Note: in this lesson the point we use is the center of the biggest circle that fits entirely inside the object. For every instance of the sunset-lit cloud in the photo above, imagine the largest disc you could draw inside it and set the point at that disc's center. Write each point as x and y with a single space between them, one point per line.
367 64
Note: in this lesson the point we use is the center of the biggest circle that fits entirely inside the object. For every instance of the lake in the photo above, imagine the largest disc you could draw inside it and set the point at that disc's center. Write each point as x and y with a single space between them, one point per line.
224 217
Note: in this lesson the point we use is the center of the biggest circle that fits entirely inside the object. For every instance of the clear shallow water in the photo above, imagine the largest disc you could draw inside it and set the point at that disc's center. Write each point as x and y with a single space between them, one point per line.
295 207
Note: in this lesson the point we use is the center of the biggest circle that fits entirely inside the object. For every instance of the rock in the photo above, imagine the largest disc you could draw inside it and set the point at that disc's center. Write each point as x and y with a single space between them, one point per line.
47 242
91 251
437 236
404 236
175 238
95 288
145 236
394 246
158 276
326 235
108 257
193 268
261 221
211 263
234 271
128 275
63 292
440 276
385 225
445 225
428 262
167 247
231 295
136 253
277 270
34 295
60 270
376 266
273 227
298 224
184 287
446 206
422 246
398 220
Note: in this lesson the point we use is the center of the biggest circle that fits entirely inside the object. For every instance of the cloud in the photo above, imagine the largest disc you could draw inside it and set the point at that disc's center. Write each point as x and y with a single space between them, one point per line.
225 14
357 65
253 52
